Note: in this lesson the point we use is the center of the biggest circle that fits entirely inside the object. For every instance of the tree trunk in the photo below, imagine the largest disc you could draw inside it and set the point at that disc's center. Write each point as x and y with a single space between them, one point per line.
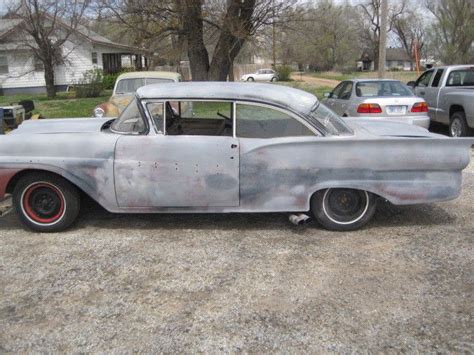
197 52
49 79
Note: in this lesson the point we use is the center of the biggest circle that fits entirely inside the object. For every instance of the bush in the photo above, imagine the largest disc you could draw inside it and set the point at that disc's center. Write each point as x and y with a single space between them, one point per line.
395 69
91 84
284 72
108 81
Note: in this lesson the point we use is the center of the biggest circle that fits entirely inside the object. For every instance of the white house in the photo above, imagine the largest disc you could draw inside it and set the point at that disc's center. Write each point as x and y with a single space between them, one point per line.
21 72
396 58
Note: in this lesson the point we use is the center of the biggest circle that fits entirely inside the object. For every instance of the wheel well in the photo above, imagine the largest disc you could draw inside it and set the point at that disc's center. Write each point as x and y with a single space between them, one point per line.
14 180
455 108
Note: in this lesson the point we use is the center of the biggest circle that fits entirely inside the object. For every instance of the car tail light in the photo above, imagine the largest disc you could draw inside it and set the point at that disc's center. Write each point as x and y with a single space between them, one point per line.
369 108
420 107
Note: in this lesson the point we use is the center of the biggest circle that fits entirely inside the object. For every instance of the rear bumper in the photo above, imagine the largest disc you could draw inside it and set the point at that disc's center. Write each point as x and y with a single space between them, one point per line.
421 121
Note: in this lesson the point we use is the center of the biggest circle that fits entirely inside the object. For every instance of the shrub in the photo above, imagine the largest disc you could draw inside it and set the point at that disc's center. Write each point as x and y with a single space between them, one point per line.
91 84
395 69
284 72
108 81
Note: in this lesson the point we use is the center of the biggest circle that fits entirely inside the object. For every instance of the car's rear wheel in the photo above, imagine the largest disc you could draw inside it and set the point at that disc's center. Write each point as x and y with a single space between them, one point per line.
458 126
250 79
274 79
45 202
343 209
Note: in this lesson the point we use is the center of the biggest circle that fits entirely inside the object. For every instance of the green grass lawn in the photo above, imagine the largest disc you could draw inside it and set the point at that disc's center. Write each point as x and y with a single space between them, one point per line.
318 91
63 106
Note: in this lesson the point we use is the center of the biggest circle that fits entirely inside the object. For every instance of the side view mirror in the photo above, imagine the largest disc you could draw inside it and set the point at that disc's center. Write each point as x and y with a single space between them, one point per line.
327 94
411 84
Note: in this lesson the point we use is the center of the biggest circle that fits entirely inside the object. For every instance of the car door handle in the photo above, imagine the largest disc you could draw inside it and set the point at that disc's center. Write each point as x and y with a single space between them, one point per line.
233 146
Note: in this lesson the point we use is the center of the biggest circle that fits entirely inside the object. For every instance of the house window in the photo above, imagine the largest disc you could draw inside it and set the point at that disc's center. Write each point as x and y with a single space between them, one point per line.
3 65
39 66
94 58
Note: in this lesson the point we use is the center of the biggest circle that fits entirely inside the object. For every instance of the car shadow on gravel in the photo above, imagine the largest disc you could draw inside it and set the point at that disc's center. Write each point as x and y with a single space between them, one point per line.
387 215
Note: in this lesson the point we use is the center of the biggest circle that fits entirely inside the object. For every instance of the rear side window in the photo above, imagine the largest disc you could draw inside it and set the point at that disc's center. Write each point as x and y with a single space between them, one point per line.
437 78
461 77
254 121
381 89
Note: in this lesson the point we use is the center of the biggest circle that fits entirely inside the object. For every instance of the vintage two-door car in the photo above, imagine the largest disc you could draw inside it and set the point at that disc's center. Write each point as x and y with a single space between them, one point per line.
237 147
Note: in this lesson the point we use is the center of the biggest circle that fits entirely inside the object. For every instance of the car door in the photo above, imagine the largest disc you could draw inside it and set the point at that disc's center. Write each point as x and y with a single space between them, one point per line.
331 100
342 97
181 171
431 94
260 76
423 82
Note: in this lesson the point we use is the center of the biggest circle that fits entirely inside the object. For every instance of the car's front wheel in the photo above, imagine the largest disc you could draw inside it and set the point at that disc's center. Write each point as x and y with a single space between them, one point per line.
273 79
343 209
46 202
250 78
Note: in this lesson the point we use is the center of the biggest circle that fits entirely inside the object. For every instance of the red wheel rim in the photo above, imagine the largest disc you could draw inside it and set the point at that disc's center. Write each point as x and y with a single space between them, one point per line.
43 203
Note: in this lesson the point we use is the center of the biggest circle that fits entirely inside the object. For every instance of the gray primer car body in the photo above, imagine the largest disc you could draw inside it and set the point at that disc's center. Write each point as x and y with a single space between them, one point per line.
158 173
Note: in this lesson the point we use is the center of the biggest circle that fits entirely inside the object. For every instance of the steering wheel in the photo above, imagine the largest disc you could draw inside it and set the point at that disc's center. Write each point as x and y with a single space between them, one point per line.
227 123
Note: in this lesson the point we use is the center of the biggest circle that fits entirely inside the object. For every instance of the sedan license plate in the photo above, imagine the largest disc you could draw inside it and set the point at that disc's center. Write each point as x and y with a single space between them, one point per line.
396 110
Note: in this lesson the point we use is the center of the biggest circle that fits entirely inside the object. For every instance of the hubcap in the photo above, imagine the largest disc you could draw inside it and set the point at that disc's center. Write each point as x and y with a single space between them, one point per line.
456 128
345 206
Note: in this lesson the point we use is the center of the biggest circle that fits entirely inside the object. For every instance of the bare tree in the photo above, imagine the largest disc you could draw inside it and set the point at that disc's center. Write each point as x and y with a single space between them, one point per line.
372 14
453 30
210 32
45 27
410 32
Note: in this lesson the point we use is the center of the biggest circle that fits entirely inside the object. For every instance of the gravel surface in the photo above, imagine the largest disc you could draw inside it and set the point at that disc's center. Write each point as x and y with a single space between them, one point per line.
251 283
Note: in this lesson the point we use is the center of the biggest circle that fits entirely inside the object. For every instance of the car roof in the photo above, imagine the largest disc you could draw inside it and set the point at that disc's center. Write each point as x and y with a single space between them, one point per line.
458 66
278 95
150 74
371 79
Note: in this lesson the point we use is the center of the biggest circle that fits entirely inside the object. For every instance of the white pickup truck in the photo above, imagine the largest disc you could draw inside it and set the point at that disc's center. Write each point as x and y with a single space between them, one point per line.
449 92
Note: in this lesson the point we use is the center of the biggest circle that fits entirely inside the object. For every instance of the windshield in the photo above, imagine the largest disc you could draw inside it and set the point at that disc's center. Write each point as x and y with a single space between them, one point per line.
332 123
381 89
128 86
130 121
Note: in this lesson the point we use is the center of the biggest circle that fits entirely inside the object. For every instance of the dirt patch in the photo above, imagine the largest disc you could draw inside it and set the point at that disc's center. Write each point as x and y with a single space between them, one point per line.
317 82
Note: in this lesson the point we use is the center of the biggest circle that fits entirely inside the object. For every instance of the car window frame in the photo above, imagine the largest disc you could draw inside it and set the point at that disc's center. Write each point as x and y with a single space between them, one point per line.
164 101
441 71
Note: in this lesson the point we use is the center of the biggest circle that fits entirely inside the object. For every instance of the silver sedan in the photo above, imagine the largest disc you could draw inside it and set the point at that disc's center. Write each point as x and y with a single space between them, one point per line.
388 100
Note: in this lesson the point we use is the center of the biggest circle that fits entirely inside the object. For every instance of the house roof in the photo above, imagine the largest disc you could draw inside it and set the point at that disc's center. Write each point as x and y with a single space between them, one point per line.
8 25
393 54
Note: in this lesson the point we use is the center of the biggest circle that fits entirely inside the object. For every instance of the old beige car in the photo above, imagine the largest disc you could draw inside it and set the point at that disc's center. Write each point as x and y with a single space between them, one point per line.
126 86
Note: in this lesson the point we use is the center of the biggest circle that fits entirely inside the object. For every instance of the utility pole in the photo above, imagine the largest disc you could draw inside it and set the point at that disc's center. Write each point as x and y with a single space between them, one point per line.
274 36
383 38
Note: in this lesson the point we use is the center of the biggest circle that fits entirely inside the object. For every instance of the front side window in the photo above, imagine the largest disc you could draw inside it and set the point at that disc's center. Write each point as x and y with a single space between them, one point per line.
425 78
3 65
155 109
130 121
381 89
337 91
254 121
199 118
346 91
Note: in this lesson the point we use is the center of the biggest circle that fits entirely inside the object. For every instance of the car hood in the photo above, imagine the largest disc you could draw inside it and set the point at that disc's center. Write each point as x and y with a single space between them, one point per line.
388 129
66 125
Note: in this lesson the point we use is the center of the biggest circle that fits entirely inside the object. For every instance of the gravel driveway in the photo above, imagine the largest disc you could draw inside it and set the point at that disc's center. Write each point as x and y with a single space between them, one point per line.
234 283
